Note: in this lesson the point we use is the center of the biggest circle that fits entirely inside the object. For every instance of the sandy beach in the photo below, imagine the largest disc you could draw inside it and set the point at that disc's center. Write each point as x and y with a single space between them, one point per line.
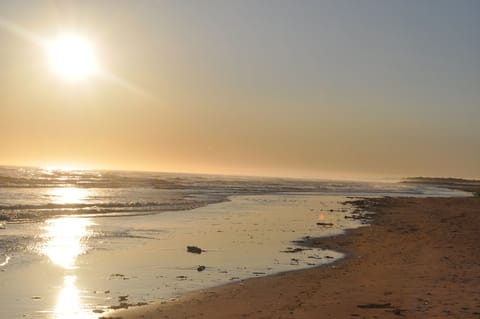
418 259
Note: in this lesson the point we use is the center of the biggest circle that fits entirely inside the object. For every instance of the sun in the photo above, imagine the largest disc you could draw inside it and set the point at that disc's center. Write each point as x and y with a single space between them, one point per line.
72 56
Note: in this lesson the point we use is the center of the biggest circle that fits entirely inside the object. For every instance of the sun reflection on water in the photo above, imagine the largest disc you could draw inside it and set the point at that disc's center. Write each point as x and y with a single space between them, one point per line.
68 302
69 195
65 240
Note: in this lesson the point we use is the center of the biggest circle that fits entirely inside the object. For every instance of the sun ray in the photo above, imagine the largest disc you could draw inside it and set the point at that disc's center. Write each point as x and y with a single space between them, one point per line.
22 32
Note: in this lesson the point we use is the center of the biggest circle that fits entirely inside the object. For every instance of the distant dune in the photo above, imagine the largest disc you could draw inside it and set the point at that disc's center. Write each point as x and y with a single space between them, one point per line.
470 185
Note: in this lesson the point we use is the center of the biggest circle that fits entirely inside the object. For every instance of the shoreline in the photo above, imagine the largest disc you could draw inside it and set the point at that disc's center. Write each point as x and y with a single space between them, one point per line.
144 257
403 264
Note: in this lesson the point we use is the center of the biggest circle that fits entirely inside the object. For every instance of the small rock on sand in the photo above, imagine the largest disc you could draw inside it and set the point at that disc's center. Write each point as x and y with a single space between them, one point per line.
194 249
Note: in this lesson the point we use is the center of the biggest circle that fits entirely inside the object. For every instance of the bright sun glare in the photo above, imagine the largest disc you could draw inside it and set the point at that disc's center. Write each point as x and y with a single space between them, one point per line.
72 56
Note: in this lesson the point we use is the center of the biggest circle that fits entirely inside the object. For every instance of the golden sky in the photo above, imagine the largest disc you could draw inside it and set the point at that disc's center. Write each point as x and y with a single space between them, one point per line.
312 89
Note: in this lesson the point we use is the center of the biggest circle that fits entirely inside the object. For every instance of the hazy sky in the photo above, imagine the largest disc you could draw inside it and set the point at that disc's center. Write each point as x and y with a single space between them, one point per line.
298 88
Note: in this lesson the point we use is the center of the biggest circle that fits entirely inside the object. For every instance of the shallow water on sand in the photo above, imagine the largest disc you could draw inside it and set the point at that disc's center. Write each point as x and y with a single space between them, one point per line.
69 267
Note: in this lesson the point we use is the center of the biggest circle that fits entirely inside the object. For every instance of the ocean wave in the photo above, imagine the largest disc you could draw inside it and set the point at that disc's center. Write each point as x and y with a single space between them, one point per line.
82 180
79 206
26 213
33 193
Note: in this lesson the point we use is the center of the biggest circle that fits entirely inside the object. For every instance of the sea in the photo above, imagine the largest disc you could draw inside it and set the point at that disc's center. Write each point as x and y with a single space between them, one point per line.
81 243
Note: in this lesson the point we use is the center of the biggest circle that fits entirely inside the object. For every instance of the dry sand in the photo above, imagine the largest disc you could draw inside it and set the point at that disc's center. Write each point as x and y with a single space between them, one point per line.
420 258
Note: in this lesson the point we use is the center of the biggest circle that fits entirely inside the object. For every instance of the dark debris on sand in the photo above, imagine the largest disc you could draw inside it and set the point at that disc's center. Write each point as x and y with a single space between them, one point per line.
194 250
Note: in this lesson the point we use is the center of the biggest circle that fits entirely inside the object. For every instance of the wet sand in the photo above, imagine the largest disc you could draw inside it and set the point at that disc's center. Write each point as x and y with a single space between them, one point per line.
420 258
